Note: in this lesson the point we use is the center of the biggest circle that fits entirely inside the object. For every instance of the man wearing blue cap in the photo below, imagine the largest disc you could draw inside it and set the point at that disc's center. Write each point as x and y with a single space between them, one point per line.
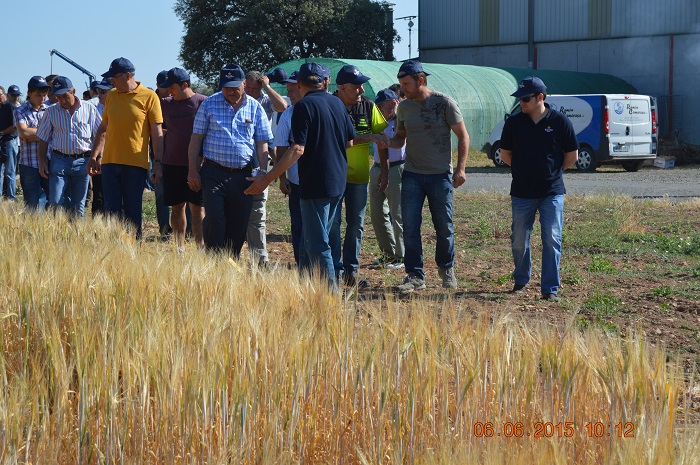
9 145
538 143
179 111
230 129
369 124
71 127
385 188
321 131
35 188
131 120
423 122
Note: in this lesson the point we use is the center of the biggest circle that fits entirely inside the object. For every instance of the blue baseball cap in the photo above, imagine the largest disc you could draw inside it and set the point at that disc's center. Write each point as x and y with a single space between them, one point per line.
326 72
160 77
411 67
174 76
119 65
231 76
349 74
277 75
385 95
528 86
13 90
292 78
38 82
61 85
309 70
104 84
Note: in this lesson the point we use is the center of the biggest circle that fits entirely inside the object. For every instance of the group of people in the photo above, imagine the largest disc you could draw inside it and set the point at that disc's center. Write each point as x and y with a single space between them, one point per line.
214 157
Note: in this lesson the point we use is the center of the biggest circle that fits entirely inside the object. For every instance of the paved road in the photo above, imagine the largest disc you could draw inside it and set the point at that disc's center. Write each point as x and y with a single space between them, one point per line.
678 182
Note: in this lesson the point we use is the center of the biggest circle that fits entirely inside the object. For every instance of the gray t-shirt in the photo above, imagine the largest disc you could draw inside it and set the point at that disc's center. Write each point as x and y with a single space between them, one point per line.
427 125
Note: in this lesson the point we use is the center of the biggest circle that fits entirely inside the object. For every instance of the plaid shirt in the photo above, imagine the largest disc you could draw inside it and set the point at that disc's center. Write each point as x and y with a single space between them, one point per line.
29 151
230 136
70 133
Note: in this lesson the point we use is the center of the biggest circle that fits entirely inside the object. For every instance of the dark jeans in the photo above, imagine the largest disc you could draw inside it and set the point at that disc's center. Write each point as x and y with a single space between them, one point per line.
226 207
437 188
295 218
34 187
8 169
122 187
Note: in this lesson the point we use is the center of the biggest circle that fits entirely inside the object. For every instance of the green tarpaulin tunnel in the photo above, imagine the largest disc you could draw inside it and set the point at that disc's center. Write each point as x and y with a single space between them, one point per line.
482 93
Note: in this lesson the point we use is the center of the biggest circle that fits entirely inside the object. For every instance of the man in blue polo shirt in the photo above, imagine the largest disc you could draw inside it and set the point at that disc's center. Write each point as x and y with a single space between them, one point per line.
321 131
229 129
539 144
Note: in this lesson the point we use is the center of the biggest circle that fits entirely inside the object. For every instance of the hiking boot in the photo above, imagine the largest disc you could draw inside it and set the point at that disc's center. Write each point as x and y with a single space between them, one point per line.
395 264
449 280
410 284
352 280
551 297
518 289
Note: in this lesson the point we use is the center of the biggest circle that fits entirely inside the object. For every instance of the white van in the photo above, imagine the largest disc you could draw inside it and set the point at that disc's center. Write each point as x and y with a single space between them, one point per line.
610 128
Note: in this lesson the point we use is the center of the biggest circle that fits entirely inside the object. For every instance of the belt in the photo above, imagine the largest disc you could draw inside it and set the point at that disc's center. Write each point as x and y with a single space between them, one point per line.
391 164
77 155
245 169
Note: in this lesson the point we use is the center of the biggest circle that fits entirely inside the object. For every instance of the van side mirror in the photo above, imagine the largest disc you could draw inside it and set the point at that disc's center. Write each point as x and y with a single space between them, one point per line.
506 116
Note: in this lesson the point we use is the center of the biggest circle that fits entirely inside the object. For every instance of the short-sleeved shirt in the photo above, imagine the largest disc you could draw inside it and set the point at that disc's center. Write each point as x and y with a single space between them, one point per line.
367 119
70 133
230 135
320 123
7 119
27 115
394 154
538 153
129 116
283 138
178 115
427 124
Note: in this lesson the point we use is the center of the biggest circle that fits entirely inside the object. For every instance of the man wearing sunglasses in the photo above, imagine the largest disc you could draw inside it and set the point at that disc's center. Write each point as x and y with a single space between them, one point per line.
539 144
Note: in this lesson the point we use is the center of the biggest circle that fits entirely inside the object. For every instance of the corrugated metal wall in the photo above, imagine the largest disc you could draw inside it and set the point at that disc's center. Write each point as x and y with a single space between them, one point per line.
458 22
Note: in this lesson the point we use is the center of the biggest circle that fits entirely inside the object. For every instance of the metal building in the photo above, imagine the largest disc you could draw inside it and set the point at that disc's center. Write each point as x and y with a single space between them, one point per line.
654 45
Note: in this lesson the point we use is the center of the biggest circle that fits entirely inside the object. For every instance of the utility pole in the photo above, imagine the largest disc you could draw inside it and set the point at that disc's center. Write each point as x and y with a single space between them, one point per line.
410 26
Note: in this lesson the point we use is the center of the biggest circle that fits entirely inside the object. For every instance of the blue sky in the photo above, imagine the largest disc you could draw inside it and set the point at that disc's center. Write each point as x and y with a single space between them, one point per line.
92 34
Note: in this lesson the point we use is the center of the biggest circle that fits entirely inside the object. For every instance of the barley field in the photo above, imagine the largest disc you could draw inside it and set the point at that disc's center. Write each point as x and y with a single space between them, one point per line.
115 351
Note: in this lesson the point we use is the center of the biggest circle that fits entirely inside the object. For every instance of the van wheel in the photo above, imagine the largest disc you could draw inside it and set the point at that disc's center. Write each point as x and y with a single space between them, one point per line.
496 155
632 165
586 163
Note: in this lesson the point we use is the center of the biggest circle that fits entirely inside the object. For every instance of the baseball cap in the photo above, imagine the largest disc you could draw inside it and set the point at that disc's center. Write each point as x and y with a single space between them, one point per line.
528 86
278 75
37 82
308 70
13 90
104 84
61 85
384 95
160 78
349 74
292 78
119 65
411 67
326 72
174 76
231 76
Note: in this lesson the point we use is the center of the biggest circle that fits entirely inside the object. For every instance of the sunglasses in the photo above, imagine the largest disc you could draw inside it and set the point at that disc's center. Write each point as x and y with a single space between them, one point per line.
527 99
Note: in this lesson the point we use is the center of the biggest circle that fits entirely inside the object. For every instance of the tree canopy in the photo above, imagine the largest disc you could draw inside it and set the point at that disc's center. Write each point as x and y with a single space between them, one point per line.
259 34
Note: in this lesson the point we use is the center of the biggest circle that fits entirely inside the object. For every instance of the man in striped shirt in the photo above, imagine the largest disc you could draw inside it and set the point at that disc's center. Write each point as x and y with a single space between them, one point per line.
230 128
71 127
27 117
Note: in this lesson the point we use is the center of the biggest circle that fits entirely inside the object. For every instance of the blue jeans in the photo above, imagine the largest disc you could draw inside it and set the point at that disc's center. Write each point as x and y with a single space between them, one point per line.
226 208
438 190
122 189
295 218
355 206
68 183
317 219
35 188
8 169
551 221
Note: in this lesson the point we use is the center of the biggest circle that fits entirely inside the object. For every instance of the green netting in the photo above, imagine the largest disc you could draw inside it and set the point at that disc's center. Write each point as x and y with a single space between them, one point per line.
482 93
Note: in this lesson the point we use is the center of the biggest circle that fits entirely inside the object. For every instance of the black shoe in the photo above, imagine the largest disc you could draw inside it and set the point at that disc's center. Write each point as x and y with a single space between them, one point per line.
351 280
518 289
551 297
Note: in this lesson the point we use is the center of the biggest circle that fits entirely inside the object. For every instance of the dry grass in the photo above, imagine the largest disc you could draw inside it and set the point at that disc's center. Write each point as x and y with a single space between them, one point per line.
123 352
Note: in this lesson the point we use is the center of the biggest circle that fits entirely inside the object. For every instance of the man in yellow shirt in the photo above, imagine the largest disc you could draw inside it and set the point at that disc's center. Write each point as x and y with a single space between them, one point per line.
132 117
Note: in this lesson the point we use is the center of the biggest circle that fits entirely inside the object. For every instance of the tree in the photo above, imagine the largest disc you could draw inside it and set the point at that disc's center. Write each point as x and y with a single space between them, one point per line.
259 34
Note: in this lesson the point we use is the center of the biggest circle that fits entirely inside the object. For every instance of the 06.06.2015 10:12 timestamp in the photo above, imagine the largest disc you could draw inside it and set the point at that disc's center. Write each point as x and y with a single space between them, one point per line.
549 429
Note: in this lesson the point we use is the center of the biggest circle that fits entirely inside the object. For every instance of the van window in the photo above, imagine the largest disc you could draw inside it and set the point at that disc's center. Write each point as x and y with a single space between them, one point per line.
629 111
